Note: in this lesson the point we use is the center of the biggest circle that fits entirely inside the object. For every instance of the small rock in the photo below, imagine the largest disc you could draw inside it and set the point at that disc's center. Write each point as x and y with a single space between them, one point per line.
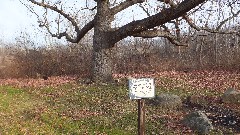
85 81
198 121
166 101
231 96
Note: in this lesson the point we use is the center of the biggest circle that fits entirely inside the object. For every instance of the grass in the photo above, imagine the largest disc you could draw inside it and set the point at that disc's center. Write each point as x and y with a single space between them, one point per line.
84 109
68 109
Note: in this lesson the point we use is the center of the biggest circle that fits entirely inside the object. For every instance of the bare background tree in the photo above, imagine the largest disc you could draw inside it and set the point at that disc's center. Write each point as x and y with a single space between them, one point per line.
182 22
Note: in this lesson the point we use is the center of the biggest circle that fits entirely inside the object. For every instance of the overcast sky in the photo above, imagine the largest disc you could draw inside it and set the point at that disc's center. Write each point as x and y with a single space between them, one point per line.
14 18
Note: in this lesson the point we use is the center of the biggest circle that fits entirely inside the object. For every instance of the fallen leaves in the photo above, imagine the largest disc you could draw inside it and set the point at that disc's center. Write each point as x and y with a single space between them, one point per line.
53 81
212 80
80 102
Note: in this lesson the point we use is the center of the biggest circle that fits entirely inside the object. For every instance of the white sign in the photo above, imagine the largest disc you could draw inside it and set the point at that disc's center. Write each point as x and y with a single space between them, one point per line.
141 88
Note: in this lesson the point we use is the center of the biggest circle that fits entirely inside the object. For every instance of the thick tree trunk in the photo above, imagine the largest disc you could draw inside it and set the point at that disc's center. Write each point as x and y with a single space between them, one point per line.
102 59
102 66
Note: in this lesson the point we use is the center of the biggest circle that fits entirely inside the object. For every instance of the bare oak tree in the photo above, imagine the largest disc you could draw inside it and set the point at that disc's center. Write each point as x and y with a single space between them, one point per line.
106 36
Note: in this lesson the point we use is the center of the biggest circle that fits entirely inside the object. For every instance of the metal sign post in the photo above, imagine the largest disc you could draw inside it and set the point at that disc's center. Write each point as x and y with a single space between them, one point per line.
140 89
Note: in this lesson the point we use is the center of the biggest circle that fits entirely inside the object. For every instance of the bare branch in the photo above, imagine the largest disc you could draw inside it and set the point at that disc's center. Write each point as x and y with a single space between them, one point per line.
95 7
54 8
30 9
155 20
189 21
124 5
80 32
193 25
159 33
145 10
177 29
197 9
84 30
226 20
86 6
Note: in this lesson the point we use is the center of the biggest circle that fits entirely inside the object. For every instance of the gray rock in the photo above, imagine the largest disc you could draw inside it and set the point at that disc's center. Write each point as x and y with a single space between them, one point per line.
167 101
198 121
231 96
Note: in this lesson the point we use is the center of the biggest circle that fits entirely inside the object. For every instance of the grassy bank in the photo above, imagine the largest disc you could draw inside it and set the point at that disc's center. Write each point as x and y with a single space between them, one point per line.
72 108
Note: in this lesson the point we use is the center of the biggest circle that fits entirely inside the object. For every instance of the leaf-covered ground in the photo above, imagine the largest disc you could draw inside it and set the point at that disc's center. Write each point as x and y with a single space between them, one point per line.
60 105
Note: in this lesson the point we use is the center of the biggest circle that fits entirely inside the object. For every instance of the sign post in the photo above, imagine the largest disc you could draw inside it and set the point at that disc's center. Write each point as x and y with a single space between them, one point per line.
140 89
141 117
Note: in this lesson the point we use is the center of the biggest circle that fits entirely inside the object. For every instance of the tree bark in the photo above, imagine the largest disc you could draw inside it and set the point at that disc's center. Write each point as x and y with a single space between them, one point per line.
102 57
102 66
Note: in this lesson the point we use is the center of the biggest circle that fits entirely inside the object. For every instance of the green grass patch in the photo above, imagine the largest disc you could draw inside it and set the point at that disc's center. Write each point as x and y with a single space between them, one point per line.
84 109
